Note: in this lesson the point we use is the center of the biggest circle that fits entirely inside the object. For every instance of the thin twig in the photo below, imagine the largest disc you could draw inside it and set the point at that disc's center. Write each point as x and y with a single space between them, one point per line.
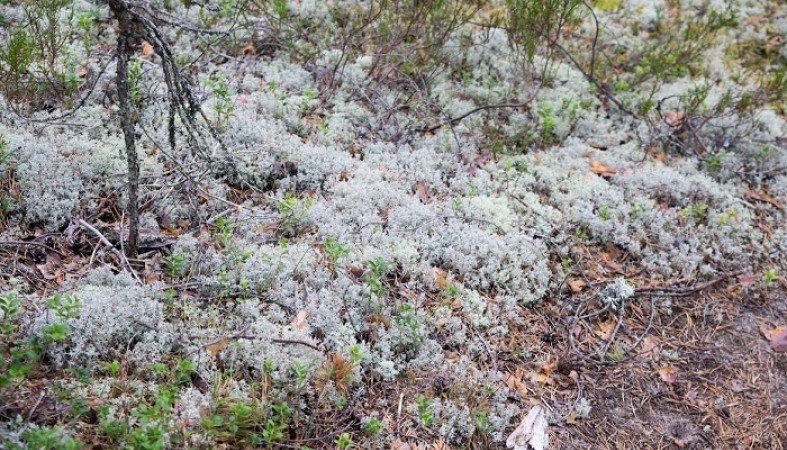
108 244
51 249
456 120
685 291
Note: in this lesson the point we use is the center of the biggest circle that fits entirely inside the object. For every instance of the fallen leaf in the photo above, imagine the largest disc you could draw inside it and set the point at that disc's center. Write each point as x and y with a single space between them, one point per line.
605 329
216 347
399 445
479 161
763 197
576 285
777 337
299 321
602 169
147 49
247 49
439 445
650 347
83 69
514 382
440 278
674 118
420 189
668 374
747 279
531 433
543 376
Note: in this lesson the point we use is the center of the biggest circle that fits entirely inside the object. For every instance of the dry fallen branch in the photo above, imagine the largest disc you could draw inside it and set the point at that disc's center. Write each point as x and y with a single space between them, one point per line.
111 247
37 244
684 291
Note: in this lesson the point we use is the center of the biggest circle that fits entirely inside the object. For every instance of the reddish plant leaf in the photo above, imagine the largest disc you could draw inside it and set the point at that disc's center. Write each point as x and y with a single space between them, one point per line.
777 338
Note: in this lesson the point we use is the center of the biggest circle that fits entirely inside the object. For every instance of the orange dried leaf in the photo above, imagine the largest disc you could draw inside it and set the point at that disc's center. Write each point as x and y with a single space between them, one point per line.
668 374
514 382
602 169
248 49
440 278
576 285
299 321
147 49
216 347
777 338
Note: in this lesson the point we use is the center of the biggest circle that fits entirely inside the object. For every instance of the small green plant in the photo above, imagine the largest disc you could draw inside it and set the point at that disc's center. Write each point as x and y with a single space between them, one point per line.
4 155
276 425
56 331
146 436
223 231
334 251
770 275
406 318
373 279
135 76
728 215
65 306
174 265
224 104
715 162
111 368
698 210
280 8
423 404
49 438
638 210
451 291
615 353
292 210
85 24
355 353
372 427
300 371
548 124
9 306
481 422
22 355
604 212
344 441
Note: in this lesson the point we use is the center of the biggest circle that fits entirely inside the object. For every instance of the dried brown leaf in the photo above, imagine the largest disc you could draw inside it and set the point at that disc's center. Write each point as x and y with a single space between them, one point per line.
668 374
214 348
763 196
420 189
576 285
147 49
602 169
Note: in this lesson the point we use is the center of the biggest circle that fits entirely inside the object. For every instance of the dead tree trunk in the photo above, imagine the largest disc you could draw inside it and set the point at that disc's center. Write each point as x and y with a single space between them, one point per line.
126 41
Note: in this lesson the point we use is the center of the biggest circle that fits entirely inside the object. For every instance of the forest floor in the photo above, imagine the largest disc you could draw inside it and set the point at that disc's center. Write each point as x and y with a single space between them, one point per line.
390 228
